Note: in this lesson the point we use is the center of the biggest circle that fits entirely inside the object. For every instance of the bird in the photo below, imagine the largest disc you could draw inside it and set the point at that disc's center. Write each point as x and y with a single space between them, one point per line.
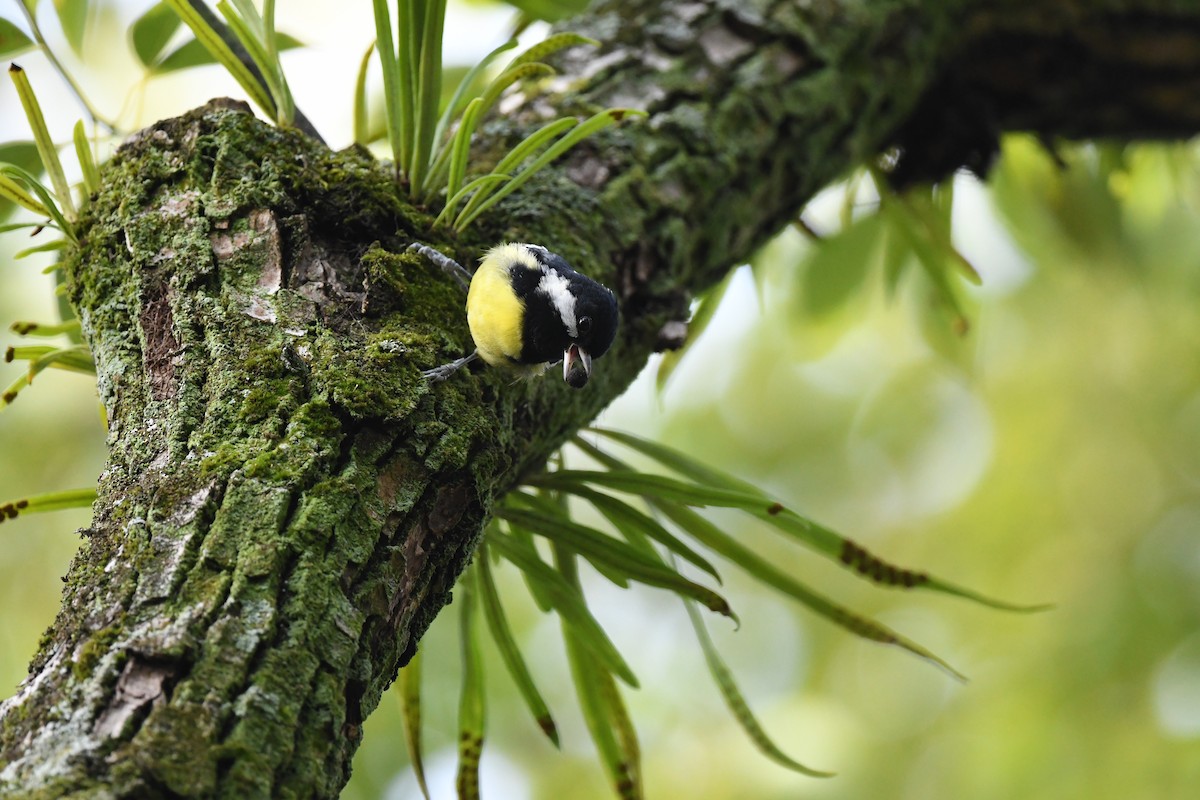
527 308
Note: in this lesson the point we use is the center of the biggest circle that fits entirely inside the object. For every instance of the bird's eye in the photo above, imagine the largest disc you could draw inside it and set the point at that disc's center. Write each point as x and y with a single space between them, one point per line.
584 325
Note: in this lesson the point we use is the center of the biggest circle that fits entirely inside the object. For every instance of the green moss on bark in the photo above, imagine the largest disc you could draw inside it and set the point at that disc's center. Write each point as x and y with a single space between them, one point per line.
287 504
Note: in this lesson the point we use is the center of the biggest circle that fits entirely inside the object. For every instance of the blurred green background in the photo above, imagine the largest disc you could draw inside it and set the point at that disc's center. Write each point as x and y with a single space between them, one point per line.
1050 454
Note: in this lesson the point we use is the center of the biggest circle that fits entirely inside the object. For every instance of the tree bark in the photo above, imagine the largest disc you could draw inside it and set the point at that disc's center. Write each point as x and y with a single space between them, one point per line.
287 504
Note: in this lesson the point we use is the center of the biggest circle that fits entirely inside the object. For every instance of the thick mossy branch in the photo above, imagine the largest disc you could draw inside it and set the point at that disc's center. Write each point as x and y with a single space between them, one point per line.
287 504
283 512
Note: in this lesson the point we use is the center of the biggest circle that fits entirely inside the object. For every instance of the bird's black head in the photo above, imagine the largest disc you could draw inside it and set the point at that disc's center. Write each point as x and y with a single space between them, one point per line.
568 316
595 329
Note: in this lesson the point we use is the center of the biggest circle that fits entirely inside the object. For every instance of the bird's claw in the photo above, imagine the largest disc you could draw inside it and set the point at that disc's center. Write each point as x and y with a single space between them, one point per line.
439 374
443 262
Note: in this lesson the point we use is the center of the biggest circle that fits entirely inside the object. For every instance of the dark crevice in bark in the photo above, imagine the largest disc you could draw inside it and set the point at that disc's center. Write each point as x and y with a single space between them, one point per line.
161 346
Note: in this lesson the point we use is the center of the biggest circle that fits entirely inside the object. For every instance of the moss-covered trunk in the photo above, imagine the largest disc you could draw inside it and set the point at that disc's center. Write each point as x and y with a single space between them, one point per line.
287 504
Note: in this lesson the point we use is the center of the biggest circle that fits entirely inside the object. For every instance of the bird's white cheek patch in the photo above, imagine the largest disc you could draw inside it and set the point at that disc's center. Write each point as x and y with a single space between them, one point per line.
558 289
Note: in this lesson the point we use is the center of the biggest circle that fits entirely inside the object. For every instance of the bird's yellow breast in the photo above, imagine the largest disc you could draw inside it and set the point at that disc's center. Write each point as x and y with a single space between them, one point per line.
494 312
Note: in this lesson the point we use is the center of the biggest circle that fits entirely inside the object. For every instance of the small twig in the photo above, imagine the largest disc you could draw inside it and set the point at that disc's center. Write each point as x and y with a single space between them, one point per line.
97 120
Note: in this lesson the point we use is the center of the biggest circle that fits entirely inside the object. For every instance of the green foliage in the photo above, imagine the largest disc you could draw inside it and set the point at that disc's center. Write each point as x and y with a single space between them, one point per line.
908 227
427 155
150 34
612 558
16 186
13 40
23 155
87 162
645 556
676 501
472 703
554 592
46 247
727 684
254 32
71 358
43 329
562 132
73 16
152 31
362 132
600 701
897 232
45 144
470 83
510 651
408 687
430 135
487 195
407 90
22 188
51 501
75 358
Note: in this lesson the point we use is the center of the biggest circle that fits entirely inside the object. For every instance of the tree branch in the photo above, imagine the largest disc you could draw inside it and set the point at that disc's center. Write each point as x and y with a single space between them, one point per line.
287 504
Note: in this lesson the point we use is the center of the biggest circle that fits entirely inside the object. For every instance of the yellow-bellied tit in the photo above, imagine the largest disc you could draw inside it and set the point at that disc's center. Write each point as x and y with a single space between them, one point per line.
527 309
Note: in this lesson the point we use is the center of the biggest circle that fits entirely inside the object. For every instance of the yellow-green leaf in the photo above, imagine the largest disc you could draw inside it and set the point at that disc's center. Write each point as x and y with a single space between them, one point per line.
510 652
603 710
567 600
73 16
44 329
600 549
51 501
728 687
150 33
45 144
408 686
551 45
13 40
629 520
23 154
472 708
806 531
839 265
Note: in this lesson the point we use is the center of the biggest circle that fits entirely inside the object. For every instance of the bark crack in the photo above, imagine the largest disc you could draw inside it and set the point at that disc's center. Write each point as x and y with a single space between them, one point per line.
162 348
143 683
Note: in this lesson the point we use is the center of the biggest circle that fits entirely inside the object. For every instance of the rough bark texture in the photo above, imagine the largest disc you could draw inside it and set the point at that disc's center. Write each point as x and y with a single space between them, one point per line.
287 505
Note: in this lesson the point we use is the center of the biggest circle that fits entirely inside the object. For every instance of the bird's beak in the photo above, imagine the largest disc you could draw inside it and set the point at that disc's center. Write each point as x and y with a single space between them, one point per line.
577 366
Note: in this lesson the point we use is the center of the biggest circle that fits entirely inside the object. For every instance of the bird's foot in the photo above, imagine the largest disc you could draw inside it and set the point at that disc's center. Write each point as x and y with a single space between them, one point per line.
444 262
438 374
